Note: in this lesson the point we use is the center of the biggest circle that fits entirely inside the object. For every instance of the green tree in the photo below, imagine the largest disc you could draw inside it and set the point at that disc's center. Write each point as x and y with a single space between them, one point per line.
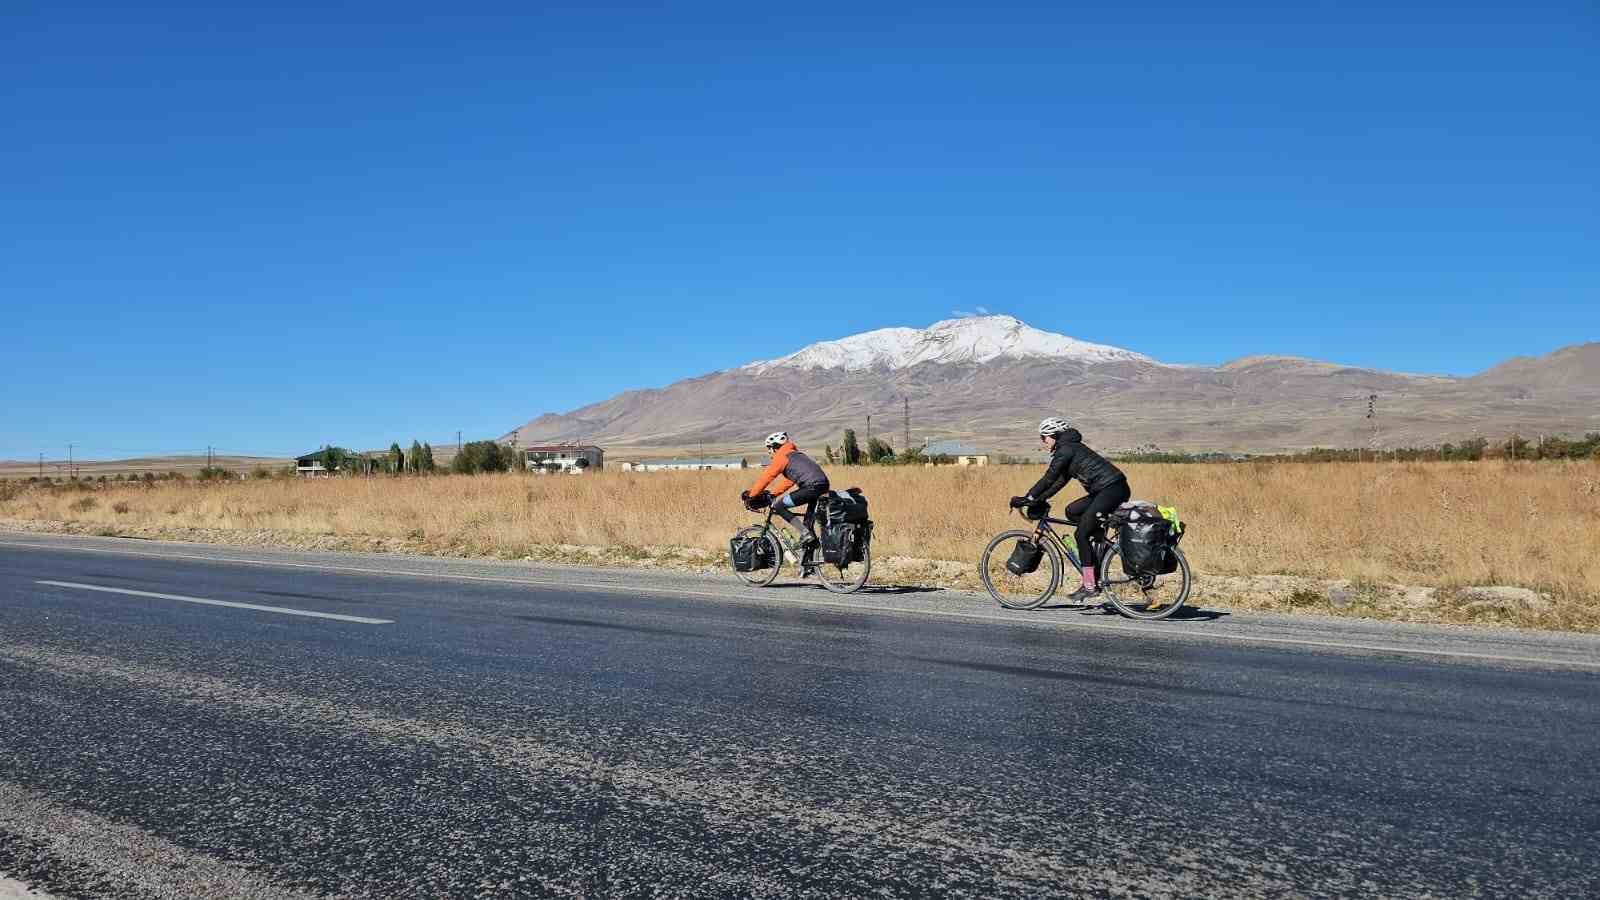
334 458
397 458
481 456
827 453
852 450
427 458
414 458
879 451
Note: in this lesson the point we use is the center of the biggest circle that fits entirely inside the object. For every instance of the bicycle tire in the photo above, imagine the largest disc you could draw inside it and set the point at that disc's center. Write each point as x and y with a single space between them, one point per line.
1147 606
1013 592
847 580
761 577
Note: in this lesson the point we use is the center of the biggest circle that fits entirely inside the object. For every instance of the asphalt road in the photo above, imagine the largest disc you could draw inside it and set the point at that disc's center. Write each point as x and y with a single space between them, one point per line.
458 730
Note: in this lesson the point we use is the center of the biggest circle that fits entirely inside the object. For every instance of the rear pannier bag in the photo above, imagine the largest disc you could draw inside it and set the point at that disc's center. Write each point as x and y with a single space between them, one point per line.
1145 544
839 542
847 506
858 553
1024 559
750 554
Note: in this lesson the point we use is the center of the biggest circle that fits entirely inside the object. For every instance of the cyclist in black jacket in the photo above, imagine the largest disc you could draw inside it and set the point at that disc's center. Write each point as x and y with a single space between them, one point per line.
1106 485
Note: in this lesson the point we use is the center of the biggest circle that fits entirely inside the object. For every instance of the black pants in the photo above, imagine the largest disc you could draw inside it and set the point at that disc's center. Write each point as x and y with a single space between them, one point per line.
1086 511
804 495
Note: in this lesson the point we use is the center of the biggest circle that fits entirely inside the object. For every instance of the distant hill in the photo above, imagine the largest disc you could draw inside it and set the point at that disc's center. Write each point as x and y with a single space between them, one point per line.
188 465
989 379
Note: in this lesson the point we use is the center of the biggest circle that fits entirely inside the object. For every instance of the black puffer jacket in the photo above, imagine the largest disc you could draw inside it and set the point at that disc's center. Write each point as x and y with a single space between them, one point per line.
1072 459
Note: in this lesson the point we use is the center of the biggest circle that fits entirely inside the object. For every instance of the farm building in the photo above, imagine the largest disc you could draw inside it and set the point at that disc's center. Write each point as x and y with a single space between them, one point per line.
961 454
674 465
567 457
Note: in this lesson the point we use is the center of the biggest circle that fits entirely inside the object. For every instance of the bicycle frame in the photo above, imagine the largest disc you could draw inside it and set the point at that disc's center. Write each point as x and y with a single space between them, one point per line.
790 546
1043 531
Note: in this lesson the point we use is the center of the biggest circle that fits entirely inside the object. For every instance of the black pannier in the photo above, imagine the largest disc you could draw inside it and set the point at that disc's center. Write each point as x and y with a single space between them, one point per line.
839 542
1145 544
847 506
1024 559
858 552
751 554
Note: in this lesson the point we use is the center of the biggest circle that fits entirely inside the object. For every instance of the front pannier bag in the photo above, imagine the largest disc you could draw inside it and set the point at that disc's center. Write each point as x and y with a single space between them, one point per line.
1024 559
750 554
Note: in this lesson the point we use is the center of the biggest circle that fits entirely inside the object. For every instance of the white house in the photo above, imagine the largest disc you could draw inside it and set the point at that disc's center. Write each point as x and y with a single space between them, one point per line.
962 454
672 465
568 458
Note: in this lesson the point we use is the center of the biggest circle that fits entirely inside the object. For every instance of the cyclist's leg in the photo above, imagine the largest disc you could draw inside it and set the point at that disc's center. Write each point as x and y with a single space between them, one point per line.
806 496
1091 529
787 507
1074 511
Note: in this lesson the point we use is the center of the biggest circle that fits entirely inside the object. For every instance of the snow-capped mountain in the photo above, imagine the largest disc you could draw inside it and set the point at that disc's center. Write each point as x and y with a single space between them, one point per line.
974 339
990 379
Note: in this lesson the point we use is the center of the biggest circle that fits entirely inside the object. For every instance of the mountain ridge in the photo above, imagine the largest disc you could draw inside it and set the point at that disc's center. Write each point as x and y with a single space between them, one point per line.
990 379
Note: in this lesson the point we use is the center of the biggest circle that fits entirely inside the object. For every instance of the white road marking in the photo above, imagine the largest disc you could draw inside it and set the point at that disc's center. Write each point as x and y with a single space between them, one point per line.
1013 620
282 610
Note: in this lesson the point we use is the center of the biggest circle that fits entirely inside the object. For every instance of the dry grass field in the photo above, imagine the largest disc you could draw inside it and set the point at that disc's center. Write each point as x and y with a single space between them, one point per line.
157 465
1400 540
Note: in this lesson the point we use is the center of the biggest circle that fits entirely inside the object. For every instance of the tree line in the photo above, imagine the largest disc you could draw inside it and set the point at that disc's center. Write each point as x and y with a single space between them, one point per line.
419 460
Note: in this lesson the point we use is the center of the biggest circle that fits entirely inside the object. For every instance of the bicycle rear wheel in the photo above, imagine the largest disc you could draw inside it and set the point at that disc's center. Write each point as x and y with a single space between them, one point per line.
761 577
1019 591
1146 597
846 580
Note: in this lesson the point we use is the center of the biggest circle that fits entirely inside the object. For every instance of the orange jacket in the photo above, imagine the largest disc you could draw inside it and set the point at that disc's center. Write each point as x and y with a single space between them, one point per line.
773 473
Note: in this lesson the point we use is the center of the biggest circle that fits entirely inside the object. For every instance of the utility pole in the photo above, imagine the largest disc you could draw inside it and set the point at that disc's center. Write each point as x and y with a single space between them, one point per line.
458 442
907 444
1372 418
41 466
869 429
70 472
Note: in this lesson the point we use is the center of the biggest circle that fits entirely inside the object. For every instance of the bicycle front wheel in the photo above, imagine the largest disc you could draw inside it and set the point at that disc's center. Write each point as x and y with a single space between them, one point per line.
1146 597
1019 591
761 577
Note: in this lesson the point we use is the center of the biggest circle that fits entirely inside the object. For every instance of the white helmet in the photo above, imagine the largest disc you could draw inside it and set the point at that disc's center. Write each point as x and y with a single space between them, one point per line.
777 439
1053 425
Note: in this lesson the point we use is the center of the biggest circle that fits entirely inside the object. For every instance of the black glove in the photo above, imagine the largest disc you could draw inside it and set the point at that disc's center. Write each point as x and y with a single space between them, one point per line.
1019 502
744 497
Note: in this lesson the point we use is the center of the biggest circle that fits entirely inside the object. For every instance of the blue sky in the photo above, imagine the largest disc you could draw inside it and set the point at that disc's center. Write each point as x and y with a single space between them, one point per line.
265 229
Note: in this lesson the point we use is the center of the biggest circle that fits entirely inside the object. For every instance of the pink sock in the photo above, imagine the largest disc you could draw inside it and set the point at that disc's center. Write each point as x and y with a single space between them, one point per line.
1088 577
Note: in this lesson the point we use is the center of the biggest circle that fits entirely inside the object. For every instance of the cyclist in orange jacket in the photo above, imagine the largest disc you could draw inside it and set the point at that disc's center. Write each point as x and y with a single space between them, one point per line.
795 480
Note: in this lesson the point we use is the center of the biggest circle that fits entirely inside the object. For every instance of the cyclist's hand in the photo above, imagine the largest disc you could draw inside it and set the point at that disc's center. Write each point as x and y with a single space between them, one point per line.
1019 502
